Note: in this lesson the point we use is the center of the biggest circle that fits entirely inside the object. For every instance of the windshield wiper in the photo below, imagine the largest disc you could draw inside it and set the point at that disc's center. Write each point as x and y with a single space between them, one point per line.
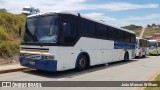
41 43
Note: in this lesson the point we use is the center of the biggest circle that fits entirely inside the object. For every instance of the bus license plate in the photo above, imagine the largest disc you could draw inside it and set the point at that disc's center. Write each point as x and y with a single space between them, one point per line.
32 62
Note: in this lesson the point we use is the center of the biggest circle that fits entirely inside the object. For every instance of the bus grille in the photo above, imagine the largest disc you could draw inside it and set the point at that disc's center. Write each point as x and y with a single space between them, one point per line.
32 56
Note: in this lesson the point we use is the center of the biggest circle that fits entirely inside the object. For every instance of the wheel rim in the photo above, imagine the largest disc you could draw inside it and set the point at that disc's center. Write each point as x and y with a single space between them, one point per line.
82 62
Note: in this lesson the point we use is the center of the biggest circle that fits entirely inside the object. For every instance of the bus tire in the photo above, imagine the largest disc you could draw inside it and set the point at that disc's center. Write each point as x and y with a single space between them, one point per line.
140 55
82 63
126 56
144 55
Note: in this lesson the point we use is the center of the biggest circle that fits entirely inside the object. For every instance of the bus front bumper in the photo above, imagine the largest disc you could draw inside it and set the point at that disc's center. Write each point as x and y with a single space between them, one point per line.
153 52
40 64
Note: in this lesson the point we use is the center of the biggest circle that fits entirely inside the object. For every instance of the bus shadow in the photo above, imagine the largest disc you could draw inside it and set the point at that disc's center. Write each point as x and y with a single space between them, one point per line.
71 73
154 55
141 58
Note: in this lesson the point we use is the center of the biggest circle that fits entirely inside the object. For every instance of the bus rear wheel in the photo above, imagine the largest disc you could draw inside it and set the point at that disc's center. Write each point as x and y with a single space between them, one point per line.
157 53
126 56
143 56
81 63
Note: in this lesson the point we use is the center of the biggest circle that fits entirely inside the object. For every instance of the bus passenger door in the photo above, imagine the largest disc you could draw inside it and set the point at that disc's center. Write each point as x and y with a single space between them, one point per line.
68 39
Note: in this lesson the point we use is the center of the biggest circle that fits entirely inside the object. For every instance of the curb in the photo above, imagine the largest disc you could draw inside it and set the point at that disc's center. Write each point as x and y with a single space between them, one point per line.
15 70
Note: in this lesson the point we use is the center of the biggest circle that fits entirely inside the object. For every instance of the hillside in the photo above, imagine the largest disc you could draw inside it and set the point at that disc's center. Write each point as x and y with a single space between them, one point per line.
9 36
135 28
150 30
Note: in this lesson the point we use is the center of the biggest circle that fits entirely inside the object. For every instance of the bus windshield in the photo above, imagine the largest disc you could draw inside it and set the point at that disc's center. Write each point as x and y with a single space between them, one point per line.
43 29
26 9
153 44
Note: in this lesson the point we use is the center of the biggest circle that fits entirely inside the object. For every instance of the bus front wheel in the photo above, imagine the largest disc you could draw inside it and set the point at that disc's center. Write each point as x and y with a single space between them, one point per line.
81 63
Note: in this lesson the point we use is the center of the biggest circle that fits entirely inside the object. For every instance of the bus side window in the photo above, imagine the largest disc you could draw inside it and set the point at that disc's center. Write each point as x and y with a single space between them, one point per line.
127 37
158 44
88 27
102 31
70 32
112 33
141 43
133 38
120 35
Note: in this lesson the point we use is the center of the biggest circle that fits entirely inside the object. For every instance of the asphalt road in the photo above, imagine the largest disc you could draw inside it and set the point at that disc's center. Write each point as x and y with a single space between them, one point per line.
132 70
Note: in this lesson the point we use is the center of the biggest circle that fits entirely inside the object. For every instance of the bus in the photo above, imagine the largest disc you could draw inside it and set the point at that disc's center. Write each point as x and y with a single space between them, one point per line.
154 47
142 46
58 41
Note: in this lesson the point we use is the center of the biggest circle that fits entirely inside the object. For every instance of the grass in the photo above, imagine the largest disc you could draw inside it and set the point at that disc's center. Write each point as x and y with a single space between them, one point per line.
151 31
157 78
154 88
148 32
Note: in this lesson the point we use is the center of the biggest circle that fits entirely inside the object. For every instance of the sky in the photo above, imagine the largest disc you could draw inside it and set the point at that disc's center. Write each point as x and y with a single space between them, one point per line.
114 12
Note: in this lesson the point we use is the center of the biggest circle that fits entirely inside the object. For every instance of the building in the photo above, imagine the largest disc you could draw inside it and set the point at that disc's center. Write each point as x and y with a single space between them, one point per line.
30 10
3 9
156 36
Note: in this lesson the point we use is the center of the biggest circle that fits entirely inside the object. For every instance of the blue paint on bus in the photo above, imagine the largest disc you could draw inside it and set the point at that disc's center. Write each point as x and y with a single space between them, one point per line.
124 45
40 64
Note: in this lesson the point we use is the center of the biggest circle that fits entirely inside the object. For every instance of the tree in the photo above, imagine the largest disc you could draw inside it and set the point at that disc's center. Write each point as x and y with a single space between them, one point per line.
148 26
132 27
153 24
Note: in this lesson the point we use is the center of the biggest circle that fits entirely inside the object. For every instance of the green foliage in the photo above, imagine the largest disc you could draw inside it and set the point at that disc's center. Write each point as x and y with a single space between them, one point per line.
154 88
148 26
132 27
3 34
9 36
157 78
153 25
138 32
8 49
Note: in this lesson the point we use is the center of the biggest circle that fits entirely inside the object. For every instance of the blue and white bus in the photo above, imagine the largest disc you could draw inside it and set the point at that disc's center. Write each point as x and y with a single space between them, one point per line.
64 40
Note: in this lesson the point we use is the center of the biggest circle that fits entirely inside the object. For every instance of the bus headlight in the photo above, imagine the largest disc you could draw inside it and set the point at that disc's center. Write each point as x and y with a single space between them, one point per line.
48 57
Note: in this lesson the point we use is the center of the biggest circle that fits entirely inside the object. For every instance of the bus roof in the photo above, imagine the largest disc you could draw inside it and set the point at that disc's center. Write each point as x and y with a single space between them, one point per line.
76 14
138 38
152 40
141 38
